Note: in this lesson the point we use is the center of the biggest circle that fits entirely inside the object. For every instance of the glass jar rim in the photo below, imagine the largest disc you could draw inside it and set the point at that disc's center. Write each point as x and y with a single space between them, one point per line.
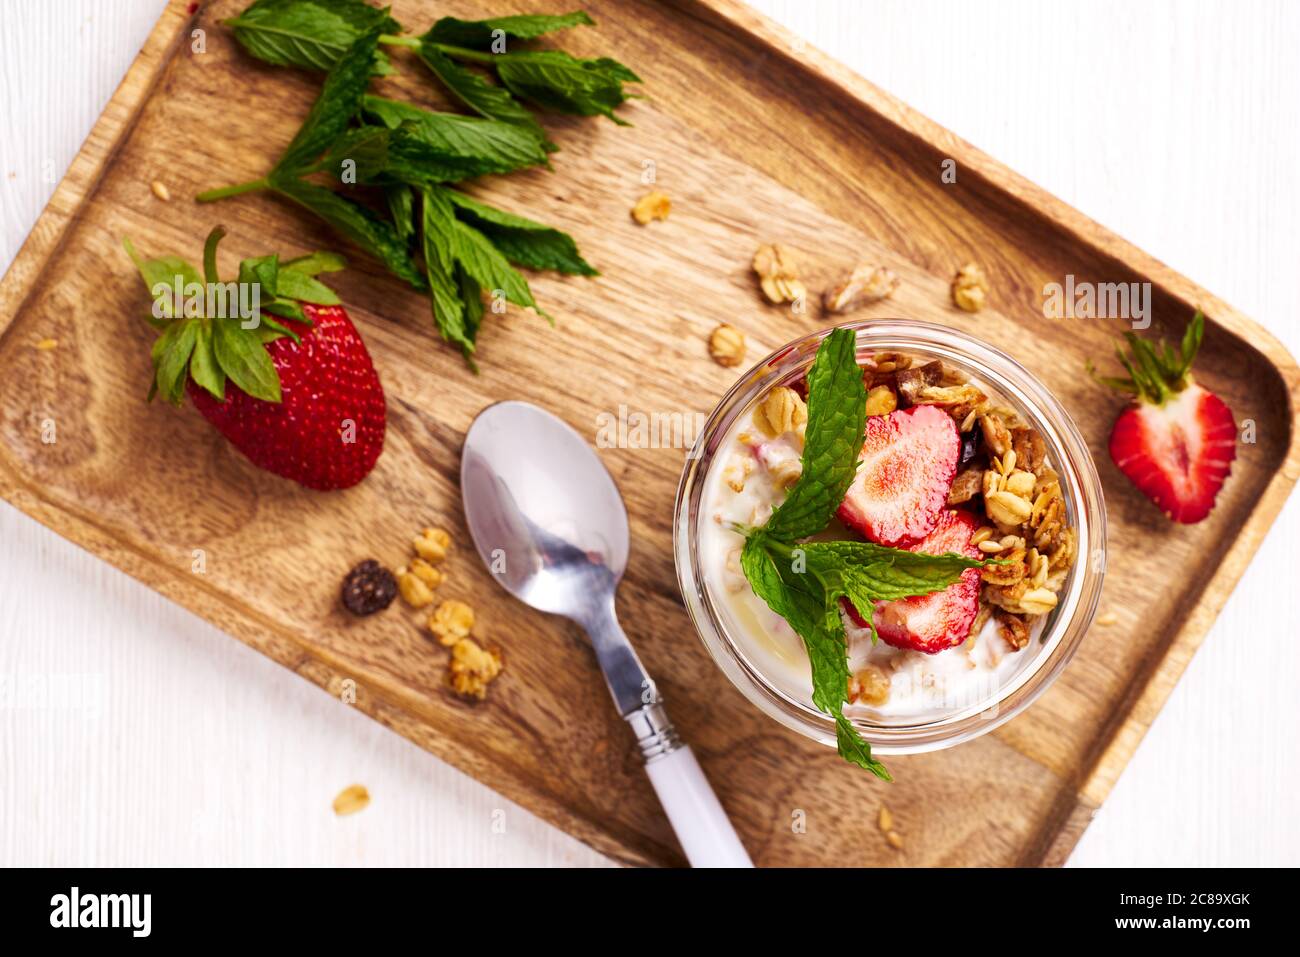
1081 488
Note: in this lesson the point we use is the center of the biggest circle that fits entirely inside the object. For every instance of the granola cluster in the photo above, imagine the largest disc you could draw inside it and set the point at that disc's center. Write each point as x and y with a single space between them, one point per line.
472 665
1004 477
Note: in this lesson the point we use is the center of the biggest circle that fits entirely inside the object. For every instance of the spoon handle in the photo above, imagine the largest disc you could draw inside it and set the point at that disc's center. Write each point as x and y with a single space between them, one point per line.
701 824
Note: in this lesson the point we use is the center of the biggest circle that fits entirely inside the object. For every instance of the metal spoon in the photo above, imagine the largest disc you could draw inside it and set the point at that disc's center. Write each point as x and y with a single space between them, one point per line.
549 523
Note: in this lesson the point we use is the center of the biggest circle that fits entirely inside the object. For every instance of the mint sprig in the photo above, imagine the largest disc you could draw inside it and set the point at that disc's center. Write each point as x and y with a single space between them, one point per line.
403 153
803 582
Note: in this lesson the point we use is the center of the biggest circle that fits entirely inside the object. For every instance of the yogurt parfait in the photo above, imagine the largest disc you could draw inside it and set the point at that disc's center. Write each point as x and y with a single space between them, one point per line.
954 563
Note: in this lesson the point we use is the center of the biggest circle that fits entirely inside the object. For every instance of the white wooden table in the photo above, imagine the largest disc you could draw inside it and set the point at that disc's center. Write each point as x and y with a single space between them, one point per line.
1174 124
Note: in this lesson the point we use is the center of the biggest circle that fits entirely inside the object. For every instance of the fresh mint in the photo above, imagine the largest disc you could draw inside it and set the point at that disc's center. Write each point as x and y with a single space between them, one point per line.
387 155
804 582
491 34
311 34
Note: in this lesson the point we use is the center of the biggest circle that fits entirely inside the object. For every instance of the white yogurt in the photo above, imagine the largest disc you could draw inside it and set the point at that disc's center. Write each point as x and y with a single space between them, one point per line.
921 685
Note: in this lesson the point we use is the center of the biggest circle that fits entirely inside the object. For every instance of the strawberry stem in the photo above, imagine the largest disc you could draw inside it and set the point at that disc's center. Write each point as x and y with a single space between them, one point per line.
210 255
222 192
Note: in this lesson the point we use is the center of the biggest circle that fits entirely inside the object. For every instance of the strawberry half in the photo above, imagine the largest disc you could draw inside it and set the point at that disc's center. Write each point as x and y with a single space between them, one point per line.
908 461
941 620
297 394
1176 440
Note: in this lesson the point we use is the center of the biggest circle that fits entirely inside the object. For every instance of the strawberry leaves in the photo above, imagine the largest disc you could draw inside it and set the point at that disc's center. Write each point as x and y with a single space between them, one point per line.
804 582
1156 374
214 332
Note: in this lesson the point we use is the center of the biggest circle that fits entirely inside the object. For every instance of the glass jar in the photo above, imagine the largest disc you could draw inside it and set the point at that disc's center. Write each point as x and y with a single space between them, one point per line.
1063 628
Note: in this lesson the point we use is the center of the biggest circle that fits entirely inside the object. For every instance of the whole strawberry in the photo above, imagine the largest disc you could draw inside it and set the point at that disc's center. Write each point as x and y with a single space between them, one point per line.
272 361
1176 440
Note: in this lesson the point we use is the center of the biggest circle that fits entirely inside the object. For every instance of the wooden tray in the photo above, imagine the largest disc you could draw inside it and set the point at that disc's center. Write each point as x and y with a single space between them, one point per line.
754 142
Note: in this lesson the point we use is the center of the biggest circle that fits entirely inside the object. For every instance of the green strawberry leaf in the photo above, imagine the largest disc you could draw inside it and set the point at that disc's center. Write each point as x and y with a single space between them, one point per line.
311 34
832 439
488 100
522 241
204 368
313 264
245 360
160 278
171 356
262 271
482 34
293 284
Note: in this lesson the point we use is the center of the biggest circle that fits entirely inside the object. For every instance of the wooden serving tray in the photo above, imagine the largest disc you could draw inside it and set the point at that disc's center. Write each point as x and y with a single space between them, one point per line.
754 143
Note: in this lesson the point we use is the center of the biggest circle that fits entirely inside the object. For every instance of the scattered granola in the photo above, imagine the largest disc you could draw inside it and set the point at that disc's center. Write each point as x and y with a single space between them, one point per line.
411 584
473 668
727 345
651 206
368 588
969 288
895 840
45 345
778 274
886 819
865 285
1106 619
782 410
432 544
452 621
351 799
160 190
870 685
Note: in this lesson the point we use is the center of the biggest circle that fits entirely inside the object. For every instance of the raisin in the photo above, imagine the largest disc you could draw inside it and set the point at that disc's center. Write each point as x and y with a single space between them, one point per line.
368 588
970 446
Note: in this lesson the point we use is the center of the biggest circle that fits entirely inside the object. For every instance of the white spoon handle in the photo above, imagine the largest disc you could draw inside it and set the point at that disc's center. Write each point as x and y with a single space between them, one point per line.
702 827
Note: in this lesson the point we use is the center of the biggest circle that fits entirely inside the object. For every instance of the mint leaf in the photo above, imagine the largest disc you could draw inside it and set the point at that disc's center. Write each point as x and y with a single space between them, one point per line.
439 233
471 294
311 34
339 101
557 81
837 417
401 207
523 241
376 236
486 99
480 34
486 266
877 573
428 147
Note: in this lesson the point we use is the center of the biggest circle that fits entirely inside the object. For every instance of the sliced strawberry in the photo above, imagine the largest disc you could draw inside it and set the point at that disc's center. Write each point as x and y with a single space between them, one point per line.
933 623
909 458
1178 454
1176 440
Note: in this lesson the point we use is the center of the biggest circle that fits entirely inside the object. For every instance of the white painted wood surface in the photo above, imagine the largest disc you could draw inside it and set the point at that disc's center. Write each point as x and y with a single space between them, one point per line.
163 741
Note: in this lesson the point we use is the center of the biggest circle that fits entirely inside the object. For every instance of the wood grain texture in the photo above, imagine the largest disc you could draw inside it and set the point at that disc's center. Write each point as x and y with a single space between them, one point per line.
763 148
